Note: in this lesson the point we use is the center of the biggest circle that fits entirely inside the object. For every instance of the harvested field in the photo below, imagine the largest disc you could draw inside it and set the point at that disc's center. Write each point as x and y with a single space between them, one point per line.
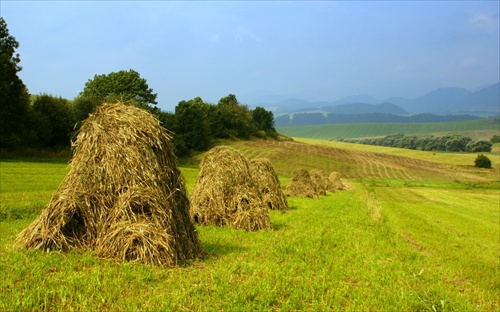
290 155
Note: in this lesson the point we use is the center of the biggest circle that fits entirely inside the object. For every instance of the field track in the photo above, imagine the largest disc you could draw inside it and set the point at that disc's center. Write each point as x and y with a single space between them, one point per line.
290 155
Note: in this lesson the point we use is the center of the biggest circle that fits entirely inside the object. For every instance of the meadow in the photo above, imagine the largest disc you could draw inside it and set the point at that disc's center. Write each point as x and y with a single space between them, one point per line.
476 129
418 233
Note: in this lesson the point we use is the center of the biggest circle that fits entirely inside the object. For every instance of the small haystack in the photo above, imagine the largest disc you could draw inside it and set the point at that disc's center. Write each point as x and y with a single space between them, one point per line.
263 173
124 197
320 180
301 185
336 183
226 194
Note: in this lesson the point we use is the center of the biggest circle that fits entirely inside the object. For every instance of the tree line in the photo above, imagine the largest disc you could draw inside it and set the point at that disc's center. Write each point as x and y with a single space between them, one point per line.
449 143
302 119
46 121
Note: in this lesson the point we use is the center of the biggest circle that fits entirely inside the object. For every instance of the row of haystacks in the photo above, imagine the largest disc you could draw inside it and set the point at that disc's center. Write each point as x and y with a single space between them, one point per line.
124 196
231 191
312 184
125 199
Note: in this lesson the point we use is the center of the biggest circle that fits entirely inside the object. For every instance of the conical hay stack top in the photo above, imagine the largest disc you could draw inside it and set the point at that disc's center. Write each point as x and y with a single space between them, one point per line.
263 173
301 185
123 197
225 193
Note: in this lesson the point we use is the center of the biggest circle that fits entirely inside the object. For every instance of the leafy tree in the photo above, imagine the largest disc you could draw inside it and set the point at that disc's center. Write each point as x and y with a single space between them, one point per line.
125 86
192 125
482 162
479 145
495 139
456 143
83 106
53 121
264 120
14 97
229 119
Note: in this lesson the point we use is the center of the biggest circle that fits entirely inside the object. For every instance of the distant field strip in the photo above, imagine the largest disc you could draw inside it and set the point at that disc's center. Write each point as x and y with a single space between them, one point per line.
290 155
482 128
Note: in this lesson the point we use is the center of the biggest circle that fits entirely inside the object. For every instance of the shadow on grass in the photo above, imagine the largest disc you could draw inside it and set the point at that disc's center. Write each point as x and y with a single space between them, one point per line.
217 250
278 226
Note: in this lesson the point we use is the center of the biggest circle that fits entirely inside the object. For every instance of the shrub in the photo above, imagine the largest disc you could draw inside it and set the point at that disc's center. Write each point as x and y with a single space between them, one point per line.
482 161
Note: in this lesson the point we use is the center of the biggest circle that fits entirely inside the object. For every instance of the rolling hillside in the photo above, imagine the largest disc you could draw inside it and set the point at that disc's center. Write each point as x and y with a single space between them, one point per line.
482 128
358 164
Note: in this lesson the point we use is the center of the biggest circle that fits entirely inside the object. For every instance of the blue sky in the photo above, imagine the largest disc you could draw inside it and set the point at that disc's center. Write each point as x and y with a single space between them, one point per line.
316 51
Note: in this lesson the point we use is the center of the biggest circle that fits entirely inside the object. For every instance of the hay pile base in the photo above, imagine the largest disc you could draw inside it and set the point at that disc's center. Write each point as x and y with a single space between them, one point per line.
225 193
124 197
301 185
320 181
265 176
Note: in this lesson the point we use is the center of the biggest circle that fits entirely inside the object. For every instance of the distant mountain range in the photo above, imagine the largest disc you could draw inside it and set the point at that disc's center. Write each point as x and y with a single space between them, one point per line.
484 102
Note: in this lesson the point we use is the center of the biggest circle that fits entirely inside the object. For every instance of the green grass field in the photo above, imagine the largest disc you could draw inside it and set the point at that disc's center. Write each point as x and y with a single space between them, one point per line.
406 239
476 129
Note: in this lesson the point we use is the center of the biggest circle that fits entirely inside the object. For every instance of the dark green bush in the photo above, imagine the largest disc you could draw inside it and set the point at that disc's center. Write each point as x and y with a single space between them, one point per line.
482 162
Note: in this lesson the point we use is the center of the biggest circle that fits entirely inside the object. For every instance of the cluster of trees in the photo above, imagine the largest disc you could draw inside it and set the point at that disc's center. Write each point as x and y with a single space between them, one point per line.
301 119
45 121
197 123
450 143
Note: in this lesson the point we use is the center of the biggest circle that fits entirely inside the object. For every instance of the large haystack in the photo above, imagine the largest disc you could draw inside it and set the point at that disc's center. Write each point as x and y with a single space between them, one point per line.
301 185
226 194
124 197
263 173
320 181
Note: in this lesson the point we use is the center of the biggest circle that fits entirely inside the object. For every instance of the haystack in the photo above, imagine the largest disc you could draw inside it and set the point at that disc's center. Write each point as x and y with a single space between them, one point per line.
124 197
301 185
225 193
336 182
263 173
320 181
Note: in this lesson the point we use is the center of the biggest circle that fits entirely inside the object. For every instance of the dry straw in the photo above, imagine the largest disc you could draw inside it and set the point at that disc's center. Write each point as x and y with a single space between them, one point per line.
124 196
265 176
320 181
337 183
301 185
225 193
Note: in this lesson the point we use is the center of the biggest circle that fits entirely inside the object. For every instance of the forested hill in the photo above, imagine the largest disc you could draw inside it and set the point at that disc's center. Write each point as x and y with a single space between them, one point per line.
301 119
